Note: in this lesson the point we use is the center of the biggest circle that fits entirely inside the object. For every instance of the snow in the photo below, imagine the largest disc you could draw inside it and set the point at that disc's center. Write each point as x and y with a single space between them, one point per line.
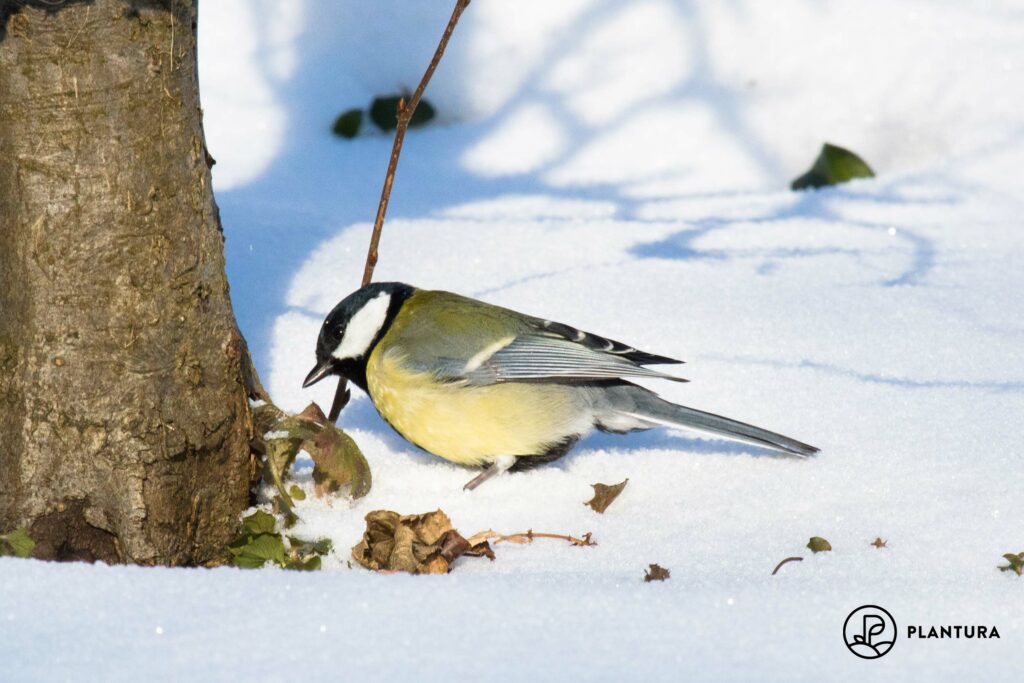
622 167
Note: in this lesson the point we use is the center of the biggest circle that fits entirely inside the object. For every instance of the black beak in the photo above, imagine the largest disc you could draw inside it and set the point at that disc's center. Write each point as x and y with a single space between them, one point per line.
318 373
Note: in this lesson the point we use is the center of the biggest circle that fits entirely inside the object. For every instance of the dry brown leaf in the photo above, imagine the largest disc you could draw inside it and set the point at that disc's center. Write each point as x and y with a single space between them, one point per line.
879 543
605 495
417 544
452 545
482 549
656 573
428 544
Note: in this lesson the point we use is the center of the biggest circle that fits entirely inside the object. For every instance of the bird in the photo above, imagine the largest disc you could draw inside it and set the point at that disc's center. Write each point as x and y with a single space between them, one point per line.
484 386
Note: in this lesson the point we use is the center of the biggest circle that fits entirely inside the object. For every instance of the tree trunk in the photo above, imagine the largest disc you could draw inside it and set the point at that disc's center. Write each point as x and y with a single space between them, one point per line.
124 419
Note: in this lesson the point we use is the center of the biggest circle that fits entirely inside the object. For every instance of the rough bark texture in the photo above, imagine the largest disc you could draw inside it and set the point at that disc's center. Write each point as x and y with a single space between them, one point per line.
124 420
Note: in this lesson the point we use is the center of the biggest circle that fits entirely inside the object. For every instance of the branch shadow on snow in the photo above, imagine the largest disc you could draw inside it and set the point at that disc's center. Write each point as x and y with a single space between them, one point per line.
819 205
318 185
996 386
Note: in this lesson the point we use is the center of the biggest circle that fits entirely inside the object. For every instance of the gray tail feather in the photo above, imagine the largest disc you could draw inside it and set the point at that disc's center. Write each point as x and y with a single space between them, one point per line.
647 407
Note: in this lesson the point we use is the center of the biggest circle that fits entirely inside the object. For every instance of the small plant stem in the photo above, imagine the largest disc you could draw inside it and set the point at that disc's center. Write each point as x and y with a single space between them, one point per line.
528 536
786 561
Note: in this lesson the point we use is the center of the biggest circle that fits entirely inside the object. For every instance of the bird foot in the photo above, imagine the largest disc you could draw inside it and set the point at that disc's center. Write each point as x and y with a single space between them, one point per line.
501 464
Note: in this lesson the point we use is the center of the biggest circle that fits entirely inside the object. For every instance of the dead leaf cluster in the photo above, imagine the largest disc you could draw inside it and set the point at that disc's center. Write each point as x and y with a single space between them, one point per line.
429 544
417 544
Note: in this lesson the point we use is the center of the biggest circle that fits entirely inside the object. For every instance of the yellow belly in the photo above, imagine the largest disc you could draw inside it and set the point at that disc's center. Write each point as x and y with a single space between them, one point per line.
472 425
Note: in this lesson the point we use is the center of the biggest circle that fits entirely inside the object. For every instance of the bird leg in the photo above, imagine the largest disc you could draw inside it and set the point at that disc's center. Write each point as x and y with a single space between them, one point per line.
501 464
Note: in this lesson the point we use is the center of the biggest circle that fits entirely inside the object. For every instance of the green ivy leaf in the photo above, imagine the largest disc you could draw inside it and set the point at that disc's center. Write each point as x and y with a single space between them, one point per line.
267 547
259 522
257 544
321 546
258 550
348 123
17 543
834 165
296 493
308 565
246 562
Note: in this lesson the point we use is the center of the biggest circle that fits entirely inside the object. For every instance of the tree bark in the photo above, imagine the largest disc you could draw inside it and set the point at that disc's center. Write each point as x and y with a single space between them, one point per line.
124 419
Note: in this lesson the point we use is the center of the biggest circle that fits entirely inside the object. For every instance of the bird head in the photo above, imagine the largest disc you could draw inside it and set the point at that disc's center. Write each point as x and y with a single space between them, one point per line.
352 329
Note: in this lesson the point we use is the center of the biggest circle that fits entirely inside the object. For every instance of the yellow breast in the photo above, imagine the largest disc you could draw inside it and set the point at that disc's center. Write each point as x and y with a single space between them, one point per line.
472 425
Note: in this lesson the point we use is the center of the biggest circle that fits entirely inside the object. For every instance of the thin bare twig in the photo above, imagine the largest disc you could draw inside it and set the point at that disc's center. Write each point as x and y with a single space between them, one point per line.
528 537
405 112
785 561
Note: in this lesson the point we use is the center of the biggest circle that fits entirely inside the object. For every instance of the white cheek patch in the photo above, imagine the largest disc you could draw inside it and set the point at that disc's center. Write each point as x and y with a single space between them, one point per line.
363 327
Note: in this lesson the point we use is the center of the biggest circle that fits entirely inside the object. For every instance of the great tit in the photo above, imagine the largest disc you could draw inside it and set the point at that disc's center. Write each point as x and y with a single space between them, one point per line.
486 386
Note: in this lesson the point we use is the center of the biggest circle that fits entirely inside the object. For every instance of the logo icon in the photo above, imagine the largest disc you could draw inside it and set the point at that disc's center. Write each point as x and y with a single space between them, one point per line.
869 632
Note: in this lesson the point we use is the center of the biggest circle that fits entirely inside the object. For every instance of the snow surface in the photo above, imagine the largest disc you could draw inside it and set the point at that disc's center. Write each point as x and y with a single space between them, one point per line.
622 167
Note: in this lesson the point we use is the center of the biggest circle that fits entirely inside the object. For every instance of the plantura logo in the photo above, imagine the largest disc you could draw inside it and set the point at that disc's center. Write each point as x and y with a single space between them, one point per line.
869 632
958 631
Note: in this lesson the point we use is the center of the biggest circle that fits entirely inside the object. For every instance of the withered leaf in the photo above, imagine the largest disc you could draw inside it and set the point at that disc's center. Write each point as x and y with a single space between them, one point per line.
417 544
402 558
1015 563
337 459
605 495
482 549
430 527
834 165
817 544
656 573
452 545
879 543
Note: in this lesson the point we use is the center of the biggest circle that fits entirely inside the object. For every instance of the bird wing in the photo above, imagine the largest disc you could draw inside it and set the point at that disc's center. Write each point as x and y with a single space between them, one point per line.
464 340
533 357
507 346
